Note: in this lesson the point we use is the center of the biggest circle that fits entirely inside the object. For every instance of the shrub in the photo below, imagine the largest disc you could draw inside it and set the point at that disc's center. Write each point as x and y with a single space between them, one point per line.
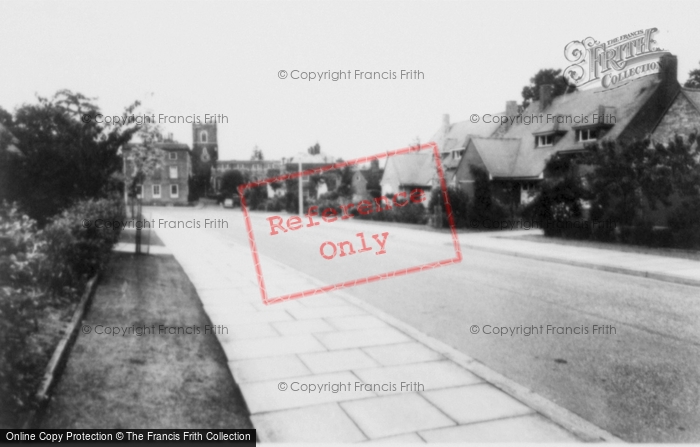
275 204
38 269
684 222
413 213
75 253
558 207
459 202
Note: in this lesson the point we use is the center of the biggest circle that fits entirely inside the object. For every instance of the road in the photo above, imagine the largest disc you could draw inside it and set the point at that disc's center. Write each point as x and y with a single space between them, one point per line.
637 377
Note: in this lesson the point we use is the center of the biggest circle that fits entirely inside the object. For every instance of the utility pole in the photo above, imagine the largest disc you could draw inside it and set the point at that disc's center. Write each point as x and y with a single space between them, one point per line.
301 192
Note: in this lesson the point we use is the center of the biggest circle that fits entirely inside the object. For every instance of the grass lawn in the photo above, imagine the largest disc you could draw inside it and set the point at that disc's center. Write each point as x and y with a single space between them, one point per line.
150 381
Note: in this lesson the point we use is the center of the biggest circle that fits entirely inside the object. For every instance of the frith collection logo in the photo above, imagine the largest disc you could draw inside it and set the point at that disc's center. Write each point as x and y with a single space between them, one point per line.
613 63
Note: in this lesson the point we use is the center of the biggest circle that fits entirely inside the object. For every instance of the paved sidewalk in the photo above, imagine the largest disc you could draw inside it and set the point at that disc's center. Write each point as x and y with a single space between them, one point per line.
341 345
676 270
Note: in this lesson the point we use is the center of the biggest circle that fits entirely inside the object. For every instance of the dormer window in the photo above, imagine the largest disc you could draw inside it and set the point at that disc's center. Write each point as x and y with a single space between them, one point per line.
586 135
203 136
545 140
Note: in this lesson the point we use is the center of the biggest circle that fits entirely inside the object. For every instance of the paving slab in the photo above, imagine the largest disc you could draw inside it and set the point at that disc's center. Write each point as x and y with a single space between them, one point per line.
268 395
402 353
393 415
295 327
271 347
268 368
351 359
410 438
529 428
356 322
485 403
419 376
361 338
319 423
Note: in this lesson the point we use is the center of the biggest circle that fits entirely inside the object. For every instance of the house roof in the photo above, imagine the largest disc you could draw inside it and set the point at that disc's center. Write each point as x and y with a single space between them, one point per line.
413 168
166 146
693 96
457 136
172 146
505 157
367 173
250 162
498 154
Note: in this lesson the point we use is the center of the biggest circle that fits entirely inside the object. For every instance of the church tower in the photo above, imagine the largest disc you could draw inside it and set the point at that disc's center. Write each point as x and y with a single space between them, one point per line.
205 153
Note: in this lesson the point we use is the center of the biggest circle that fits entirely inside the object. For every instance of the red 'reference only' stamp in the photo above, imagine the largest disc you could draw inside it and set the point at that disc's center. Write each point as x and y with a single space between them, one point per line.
302 234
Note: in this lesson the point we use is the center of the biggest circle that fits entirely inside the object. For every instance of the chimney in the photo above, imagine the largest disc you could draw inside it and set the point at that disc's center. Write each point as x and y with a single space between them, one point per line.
546 91
668 72
512 112
446 123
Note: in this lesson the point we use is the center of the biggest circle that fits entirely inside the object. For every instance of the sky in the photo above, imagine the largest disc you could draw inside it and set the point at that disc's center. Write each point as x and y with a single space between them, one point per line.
187 59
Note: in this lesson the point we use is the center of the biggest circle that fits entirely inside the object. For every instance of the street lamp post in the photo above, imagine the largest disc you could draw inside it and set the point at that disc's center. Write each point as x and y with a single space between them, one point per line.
301 192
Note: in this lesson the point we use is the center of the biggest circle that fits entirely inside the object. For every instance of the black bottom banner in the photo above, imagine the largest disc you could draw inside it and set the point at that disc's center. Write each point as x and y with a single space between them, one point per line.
238 436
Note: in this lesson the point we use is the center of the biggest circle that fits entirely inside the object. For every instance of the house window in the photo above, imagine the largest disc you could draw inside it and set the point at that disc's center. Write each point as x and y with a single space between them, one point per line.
172 156
456 155
155 189
139 191
545 140
203 136
174 191
173 171
585 135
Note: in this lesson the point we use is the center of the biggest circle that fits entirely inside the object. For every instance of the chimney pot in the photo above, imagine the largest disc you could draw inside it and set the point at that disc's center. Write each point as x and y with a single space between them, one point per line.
546 91
446 122
669 68
512 111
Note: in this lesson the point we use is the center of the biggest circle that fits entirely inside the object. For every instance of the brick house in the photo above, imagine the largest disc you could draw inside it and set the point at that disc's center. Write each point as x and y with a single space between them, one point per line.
168 185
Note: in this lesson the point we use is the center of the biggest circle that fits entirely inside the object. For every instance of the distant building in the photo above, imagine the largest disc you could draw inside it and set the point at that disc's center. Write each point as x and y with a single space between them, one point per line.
205 153
514 156
514 153
363 179
310 187
251 170
406 172
168 185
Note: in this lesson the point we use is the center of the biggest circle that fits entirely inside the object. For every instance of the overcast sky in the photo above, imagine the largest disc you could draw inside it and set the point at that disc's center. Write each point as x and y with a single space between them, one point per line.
213 57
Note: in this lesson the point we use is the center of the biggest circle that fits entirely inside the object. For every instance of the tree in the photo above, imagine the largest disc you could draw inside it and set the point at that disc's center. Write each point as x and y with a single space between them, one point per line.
230 182
5 118
257 154
273 173
560 85
693 79
66 154
560 198
345 187
315 149
626 177
623 181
